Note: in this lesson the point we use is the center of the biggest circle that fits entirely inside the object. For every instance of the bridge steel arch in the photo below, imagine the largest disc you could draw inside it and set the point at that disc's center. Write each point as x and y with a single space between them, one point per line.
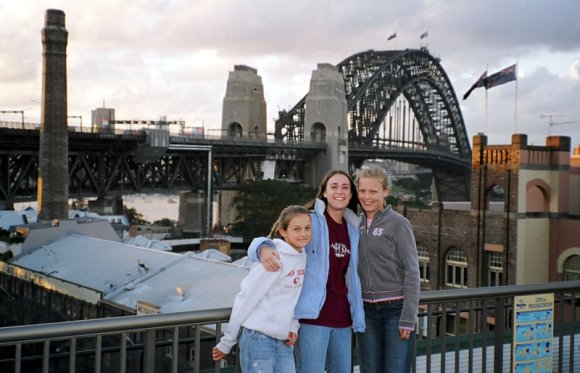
374 81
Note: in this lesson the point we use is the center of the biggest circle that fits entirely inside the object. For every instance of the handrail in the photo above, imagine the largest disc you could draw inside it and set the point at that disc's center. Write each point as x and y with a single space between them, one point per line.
27 333
497 291
83 327
432 334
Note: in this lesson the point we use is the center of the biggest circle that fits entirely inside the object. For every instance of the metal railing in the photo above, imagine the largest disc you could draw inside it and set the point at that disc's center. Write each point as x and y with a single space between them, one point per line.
460 330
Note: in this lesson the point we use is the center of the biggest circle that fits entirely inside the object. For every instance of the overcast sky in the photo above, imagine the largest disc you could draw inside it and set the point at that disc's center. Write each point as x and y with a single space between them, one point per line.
150 58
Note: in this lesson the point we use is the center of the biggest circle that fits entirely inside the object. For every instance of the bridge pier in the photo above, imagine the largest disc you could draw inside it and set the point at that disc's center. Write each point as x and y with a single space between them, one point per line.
192 213
107 206
6 205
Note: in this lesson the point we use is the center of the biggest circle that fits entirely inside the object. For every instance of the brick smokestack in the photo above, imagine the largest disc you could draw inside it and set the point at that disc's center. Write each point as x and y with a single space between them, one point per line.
53 153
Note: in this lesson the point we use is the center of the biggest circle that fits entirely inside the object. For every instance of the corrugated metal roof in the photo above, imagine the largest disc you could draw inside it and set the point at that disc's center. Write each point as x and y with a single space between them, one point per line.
127 274
9 218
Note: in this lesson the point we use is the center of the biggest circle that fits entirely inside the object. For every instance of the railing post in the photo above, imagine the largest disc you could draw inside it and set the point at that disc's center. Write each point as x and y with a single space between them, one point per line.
149 352
499 331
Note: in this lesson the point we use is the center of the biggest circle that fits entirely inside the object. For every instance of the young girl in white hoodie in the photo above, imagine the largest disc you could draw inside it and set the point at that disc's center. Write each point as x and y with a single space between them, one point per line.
265 305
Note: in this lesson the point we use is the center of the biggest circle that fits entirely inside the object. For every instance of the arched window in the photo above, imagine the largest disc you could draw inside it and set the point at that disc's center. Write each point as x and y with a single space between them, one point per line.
318 133
235 130
456 268
572 268
424 272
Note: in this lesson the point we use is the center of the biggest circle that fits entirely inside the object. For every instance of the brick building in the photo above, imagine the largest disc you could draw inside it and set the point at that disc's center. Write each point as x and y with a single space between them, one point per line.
520 227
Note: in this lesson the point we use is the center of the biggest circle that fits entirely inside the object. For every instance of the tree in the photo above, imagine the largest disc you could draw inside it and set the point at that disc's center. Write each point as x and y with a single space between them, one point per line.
259 203
134 216
164 222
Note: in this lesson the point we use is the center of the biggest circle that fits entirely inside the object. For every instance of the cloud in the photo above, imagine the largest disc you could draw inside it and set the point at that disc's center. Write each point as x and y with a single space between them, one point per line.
575 70
170 57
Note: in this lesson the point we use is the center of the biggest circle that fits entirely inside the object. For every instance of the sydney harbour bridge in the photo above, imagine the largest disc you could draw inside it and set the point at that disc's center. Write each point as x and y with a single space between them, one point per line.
401 106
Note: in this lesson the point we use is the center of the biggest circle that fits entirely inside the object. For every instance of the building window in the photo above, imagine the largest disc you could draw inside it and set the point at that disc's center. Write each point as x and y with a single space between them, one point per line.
423 255
456 265
572 268
495 269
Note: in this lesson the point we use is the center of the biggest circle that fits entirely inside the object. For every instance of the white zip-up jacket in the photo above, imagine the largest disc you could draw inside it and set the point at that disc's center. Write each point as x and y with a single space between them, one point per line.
267 299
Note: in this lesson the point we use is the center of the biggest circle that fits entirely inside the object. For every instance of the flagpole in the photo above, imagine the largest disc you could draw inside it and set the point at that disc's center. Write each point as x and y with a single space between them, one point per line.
485 126
485 129
516 101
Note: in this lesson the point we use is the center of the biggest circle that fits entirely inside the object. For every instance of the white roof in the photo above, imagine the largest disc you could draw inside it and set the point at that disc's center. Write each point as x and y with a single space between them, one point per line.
214 255
9 218
119 219
126 274
244 262
143 241
188 284
46 234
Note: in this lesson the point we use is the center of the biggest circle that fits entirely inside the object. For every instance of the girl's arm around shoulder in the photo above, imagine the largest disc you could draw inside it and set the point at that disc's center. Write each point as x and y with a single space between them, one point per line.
256 244
264 250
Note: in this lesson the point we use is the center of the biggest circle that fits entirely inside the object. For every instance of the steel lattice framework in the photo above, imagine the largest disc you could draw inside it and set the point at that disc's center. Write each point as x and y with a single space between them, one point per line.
408 95
105 164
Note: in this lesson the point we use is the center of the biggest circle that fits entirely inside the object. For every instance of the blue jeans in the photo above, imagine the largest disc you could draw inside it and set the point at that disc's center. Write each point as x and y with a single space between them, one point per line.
320 346
262 354
380 347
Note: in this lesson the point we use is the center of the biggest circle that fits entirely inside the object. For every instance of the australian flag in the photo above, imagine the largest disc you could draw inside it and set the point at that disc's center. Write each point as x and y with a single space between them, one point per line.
504 76
479 83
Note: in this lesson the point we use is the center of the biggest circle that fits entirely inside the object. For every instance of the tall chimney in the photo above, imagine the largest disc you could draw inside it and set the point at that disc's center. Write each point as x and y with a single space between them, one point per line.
53 153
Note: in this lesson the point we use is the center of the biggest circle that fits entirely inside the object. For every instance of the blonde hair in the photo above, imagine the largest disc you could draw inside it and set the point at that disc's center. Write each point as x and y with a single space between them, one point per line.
374 172
285 218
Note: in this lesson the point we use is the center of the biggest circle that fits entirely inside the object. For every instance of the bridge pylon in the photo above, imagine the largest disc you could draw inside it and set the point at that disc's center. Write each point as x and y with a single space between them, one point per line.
244 106
326 120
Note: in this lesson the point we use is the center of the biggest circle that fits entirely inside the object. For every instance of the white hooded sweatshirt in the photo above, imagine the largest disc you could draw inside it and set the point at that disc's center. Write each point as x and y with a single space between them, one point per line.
266 300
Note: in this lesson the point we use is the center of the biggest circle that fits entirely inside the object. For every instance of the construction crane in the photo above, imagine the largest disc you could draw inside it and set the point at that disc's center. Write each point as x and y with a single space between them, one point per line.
551 122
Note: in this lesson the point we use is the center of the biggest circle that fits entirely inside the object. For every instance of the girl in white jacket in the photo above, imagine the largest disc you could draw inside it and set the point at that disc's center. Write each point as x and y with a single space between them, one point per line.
265 305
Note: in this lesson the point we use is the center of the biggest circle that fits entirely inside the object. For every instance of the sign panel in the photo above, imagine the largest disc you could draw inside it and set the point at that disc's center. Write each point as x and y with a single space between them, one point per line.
533 333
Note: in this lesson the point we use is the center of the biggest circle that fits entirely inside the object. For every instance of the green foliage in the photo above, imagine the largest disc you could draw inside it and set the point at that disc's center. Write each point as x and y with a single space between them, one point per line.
407 183
259 203
164 222
134 216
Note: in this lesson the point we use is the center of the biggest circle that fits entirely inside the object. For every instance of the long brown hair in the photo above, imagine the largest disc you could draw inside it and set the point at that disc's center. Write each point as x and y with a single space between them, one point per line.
353 203
285 218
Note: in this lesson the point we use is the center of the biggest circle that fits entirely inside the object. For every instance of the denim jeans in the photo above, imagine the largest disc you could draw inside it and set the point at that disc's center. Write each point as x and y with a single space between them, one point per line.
380 347
262 354
320 346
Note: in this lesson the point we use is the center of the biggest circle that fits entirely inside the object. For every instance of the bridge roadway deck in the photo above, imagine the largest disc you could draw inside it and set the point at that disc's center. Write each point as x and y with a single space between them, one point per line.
126 161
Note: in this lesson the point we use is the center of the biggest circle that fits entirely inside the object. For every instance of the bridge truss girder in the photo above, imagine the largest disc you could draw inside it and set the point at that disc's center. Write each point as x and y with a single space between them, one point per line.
374 81
101 174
